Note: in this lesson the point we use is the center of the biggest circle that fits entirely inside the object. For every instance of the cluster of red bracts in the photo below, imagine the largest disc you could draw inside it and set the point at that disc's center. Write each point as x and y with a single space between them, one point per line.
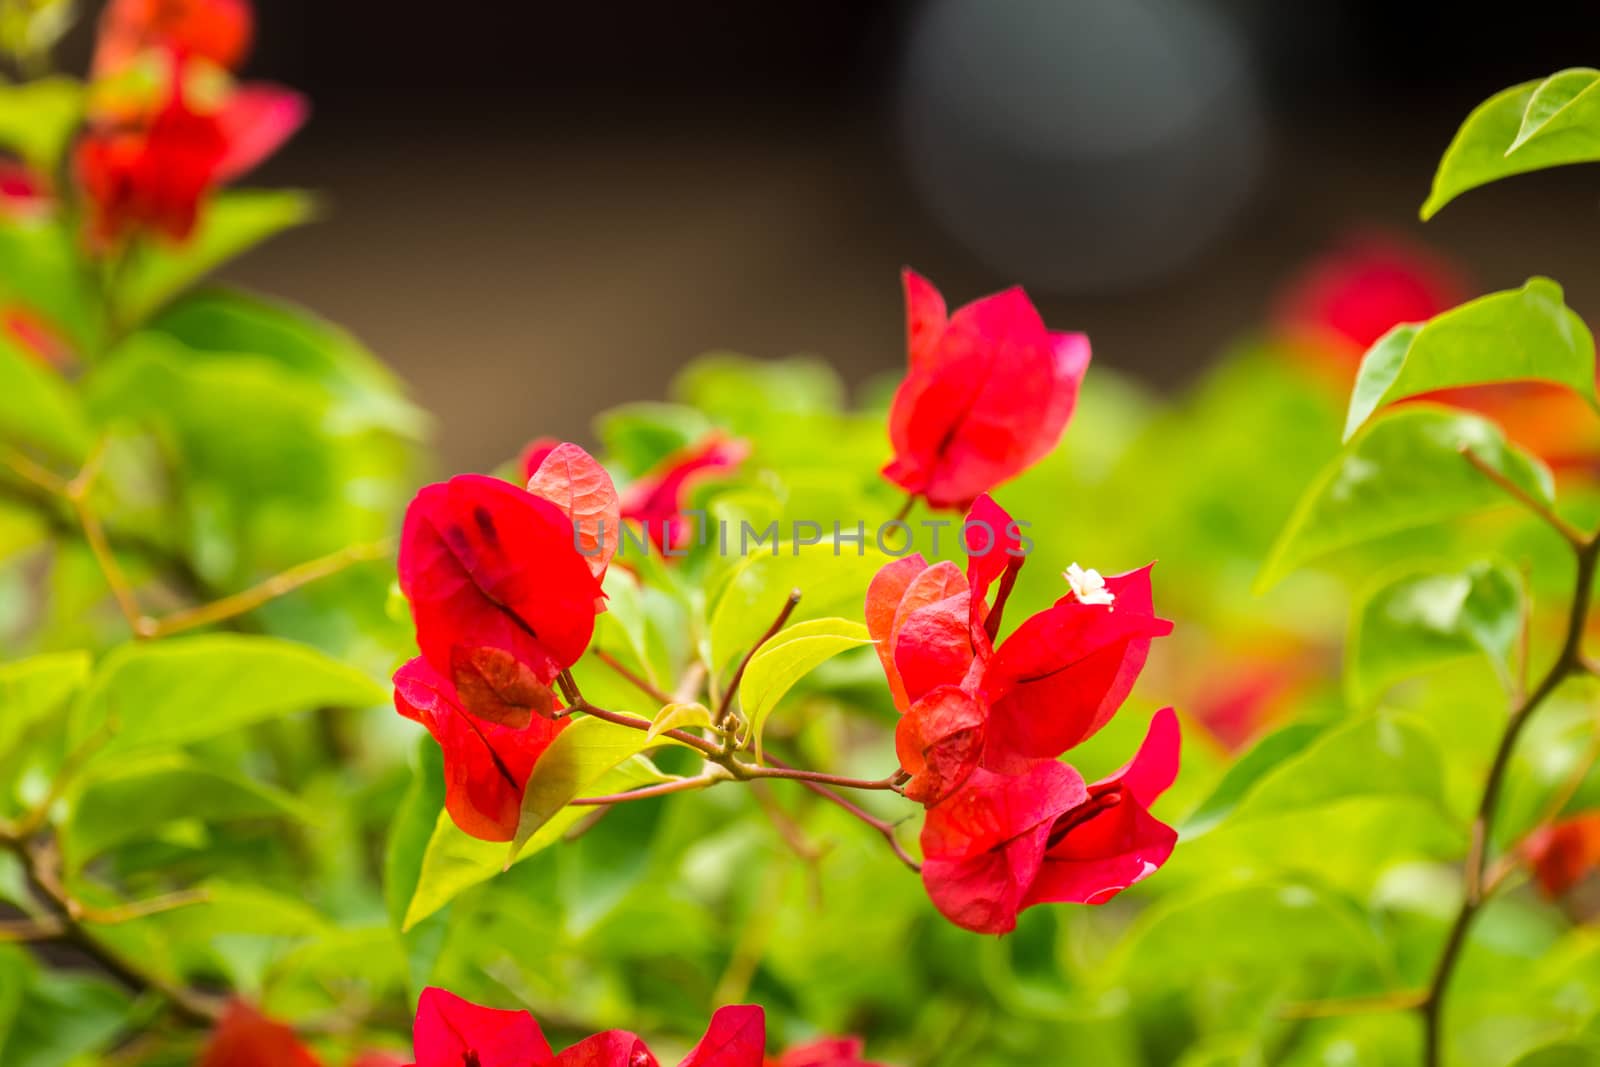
504 585
452 1032
982 727
147 164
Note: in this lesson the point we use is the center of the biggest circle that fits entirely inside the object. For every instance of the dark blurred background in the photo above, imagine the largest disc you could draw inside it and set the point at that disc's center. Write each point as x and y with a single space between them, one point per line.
540 209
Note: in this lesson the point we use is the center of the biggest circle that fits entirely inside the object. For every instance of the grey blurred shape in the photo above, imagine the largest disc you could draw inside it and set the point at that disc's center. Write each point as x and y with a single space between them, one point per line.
1079 145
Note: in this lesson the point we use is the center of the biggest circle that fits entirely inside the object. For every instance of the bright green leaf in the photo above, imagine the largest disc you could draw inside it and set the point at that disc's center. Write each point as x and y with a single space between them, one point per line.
1562 1054
678 717
1380 755
1532 126
33 688
1525 334
412 828
789 657
38 118
128 801
1243 776
578 757
185 689
453 862
1402 471
234 222
1425 618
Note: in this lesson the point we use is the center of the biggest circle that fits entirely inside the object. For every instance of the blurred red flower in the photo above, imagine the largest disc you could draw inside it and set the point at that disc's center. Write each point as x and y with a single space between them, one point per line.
245 1038
153 171
657 498
1562 854
486 765
988 393
217 30
825 1052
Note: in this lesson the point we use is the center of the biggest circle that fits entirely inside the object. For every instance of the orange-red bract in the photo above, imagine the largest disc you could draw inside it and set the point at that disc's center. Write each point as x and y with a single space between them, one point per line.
988 392
246 1038
486 765
494 578
1111 840
983 845
217 30
1061 676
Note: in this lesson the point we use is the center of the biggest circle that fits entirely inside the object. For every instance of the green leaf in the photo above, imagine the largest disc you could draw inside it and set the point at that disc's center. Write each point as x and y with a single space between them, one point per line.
1254 928
1562 1054
130 801
678 717
638 436
38 118
234 222
412 829
63 1017
1421 619
1525 334
33 688
754 590
1402 471
789 657
578 757
1244 775
367 394
1532 126
185 689
452 862
1379 755
37 407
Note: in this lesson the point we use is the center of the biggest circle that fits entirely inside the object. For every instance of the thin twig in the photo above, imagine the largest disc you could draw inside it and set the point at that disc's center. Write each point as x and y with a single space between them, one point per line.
883 827
21 931
1571 534
1374 1004
726 704
278 585
677 785
1477 888
634 679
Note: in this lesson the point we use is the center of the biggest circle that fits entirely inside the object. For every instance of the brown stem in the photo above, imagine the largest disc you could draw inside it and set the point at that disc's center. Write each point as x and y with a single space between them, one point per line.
1571 534
634 679
883 827
1476 889
1375 1004
679 785
41 863
726 704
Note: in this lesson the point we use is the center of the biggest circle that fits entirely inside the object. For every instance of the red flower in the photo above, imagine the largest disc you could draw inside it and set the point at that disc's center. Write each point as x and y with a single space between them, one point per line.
486 766
983 845
450 1032
826 1052
246 1038
988 393
153 172
1061 676
216 30
657 498
23 194
940 742
1110 841
1561 855
502 597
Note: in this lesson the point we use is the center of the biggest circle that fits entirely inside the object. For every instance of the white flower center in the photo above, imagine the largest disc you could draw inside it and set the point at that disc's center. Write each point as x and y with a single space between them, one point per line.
1088 586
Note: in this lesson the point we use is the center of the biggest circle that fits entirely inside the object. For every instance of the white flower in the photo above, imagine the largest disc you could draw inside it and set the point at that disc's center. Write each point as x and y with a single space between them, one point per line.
1088 586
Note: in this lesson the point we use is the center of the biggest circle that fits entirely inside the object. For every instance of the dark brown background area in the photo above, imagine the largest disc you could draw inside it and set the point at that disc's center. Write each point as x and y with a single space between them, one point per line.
540 209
